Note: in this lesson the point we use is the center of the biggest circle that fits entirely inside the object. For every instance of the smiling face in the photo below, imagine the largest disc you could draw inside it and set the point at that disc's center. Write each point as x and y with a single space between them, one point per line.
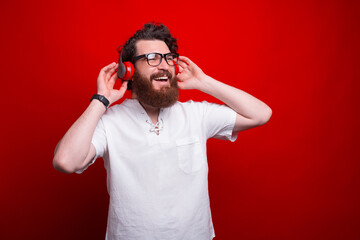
160 75
154 85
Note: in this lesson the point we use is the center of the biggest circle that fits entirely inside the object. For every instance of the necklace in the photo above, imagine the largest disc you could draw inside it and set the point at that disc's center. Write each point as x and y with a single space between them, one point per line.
156 128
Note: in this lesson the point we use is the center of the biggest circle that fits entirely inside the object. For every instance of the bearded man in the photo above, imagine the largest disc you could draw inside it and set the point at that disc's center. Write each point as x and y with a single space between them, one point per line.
154 147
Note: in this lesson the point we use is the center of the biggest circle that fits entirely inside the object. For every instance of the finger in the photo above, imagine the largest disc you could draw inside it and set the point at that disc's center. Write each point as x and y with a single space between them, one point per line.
111 71
188 62
104 71
123 87
185 59
106 68
113 79
180 68
180 85
182 64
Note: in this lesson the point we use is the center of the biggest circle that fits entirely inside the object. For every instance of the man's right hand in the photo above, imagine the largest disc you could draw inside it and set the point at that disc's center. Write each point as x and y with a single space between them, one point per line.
106 81
75 150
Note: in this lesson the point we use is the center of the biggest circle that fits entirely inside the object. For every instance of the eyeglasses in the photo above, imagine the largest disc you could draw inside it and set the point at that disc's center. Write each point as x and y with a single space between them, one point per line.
154 59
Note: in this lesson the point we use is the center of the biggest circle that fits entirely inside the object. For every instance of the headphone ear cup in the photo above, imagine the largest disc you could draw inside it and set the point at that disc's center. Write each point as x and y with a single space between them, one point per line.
121 70
125 70
129 71
176 67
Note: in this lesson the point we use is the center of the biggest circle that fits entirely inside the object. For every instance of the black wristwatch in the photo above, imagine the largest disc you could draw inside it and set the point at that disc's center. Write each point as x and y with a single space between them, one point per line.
102 99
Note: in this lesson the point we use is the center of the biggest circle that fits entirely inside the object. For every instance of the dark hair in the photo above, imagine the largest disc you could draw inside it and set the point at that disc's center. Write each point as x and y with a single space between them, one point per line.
150 31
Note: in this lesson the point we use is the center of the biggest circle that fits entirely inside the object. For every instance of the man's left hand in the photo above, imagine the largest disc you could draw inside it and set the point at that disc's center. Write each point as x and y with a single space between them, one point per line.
190 75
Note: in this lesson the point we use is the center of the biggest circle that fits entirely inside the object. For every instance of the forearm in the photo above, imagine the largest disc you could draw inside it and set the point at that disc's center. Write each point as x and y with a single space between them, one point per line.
241 102
251 112
72 152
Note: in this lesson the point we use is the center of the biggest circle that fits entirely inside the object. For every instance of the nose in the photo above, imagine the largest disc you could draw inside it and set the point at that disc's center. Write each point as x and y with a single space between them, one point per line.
163 65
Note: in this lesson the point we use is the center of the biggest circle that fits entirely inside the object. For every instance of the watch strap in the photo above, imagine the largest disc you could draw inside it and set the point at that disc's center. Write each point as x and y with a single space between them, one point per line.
102 99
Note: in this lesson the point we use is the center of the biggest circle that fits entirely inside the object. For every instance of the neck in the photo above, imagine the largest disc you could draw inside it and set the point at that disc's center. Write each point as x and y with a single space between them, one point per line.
152 112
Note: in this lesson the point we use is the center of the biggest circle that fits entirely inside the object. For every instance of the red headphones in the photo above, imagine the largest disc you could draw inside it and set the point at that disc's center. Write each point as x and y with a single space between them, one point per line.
126 69
176 68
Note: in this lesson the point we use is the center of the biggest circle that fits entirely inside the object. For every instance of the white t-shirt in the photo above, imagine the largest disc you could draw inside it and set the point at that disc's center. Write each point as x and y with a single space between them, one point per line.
158 182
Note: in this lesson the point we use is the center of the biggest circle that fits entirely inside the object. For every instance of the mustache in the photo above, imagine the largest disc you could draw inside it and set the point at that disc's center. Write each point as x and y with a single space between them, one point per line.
161 74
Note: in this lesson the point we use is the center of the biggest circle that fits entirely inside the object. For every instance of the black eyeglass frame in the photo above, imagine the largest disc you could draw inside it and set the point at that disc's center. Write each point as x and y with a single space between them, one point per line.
162 56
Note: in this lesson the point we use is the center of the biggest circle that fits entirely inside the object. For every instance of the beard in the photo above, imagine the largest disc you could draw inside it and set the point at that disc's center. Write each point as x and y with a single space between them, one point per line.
146 94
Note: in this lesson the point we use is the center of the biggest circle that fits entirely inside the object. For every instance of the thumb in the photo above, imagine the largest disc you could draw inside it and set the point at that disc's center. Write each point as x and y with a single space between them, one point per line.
123 87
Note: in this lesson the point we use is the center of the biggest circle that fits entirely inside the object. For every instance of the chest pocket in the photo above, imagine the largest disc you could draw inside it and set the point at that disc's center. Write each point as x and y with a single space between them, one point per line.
190 155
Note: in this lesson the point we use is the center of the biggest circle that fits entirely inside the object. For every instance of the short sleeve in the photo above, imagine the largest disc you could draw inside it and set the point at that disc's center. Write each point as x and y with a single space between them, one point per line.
99 139
99 142
219 121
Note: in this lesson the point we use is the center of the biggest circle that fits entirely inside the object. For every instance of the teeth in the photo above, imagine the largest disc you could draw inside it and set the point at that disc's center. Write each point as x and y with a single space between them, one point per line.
161 78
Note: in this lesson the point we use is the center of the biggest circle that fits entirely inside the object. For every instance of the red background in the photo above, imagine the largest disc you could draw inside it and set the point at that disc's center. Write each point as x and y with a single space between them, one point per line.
296 177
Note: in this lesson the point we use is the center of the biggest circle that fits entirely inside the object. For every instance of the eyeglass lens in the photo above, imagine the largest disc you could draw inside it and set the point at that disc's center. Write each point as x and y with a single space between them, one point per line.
154 59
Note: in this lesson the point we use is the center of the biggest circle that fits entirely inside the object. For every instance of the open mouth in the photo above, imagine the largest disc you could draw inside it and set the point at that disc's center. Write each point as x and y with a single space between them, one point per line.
161 79
164 76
